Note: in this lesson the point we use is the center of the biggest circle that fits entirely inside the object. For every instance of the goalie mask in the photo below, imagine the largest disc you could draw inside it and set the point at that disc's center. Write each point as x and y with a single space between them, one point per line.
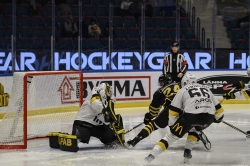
248 71
107 89
188 78
164 80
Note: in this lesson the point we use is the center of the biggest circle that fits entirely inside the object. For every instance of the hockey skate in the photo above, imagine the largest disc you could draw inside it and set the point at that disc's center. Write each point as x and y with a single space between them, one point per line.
205 140
187 155
131 143
128 144
149 158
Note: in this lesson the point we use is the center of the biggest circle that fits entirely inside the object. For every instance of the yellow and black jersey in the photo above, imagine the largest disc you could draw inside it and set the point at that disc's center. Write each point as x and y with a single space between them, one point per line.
163 97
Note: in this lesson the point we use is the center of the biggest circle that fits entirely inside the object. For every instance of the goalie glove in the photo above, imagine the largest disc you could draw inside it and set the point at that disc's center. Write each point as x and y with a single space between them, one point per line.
218 120
229 95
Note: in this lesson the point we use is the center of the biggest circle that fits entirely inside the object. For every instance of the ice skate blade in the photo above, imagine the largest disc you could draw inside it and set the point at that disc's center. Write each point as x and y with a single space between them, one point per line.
128 146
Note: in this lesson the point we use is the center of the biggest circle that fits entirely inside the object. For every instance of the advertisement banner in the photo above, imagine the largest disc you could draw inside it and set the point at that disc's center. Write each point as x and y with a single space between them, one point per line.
40 60
135 86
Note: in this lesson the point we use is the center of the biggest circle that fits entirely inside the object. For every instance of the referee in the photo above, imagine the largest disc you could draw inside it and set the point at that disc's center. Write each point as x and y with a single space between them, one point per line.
175 63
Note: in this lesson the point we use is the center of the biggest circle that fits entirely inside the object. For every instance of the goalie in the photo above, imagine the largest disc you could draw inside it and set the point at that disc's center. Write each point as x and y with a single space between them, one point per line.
239 91
97 118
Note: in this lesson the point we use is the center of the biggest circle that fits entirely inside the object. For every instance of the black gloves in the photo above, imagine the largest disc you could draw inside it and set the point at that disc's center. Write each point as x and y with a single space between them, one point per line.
239 85
229 95
218 120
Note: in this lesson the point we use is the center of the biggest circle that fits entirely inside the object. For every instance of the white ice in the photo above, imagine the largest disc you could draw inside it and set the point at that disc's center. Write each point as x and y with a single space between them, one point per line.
229 147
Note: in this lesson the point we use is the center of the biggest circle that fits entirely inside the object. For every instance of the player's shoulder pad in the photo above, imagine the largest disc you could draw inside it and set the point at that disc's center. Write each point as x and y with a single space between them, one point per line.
172 85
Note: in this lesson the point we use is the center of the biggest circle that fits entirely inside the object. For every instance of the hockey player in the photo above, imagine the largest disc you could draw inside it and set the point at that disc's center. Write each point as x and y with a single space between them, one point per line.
97 118
163 97
239 92
175 63
193 106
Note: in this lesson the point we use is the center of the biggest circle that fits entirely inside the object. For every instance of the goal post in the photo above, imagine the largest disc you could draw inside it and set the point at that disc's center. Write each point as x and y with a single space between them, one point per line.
39 103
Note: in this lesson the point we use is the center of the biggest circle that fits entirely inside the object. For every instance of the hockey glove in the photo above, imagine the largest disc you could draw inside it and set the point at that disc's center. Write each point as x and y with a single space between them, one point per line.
239 85
147 118
218 120
229 95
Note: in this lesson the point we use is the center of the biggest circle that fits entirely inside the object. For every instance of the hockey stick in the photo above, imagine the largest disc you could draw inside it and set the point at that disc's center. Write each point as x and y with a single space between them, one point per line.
231 124
134 127
235 128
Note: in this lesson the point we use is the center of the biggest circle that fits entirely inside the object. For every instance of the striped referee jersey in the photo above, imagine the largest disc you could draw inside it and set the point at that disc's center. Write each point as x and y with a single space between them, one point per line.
174 63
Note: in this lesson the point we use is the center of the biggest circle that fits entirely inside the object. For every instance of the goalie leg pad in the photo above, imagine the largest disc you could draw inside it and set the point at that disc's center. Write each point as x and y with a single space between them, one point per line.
119 130
68 142
53 139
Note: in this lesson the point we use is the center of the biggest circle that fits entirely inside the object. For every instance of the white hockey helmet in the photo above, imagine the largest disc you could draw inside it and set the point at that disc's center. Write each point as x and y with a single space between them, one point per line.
248 71
188 78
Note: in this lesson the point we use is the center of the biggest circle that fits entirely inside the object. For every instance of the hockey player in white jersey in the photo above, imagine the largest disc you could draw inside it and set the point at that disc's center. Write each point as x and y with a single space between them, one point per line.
239 92
97 118
155 119
240 89
194 106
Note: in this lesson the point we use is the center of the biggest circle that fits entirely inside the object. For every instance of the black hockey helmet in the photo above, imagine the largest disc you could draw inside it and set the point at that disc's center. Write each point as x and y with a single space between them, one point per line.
175 44
164 80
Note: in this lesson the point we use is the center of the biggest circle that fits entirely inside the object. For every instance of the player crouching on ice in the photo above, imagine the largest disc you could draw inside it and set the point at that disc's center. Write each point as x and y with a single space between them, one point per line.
239 91
97 118
194 105
155 118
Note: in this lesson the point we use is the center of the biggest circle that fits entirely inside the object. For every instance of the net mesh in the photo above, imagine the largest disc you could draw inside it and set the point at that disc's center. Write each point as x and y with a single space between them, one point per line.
53 99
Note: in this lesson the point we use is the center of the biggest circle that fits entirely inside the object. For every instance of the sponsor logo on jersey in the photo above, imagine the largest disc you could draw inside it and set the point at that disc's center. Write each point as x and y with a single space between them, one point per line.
205 106
177 127
199 125
203 100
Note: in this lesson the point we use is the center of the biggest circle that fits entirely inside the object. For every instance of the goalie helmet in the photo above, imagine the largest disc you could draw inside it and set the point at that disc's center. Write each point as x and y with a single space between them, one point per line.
107 89
188 78
248 71
164 80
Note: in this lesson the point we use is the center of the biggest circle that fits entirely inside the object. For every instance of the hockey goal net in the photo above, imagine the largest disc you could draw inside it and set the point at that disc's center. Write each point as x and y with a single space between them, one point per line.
40 102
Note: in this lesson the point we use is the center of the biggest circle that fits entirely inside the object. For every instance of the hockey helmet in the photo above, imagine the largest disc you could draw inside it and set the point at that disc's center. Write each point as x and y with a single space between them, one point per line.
248 71
164 80
107 89
188 78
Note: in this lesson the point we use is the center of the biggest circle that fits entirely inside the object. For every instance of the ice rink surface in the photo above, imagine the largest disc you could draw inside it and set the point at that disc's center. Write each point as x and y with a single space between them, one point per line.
229 147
